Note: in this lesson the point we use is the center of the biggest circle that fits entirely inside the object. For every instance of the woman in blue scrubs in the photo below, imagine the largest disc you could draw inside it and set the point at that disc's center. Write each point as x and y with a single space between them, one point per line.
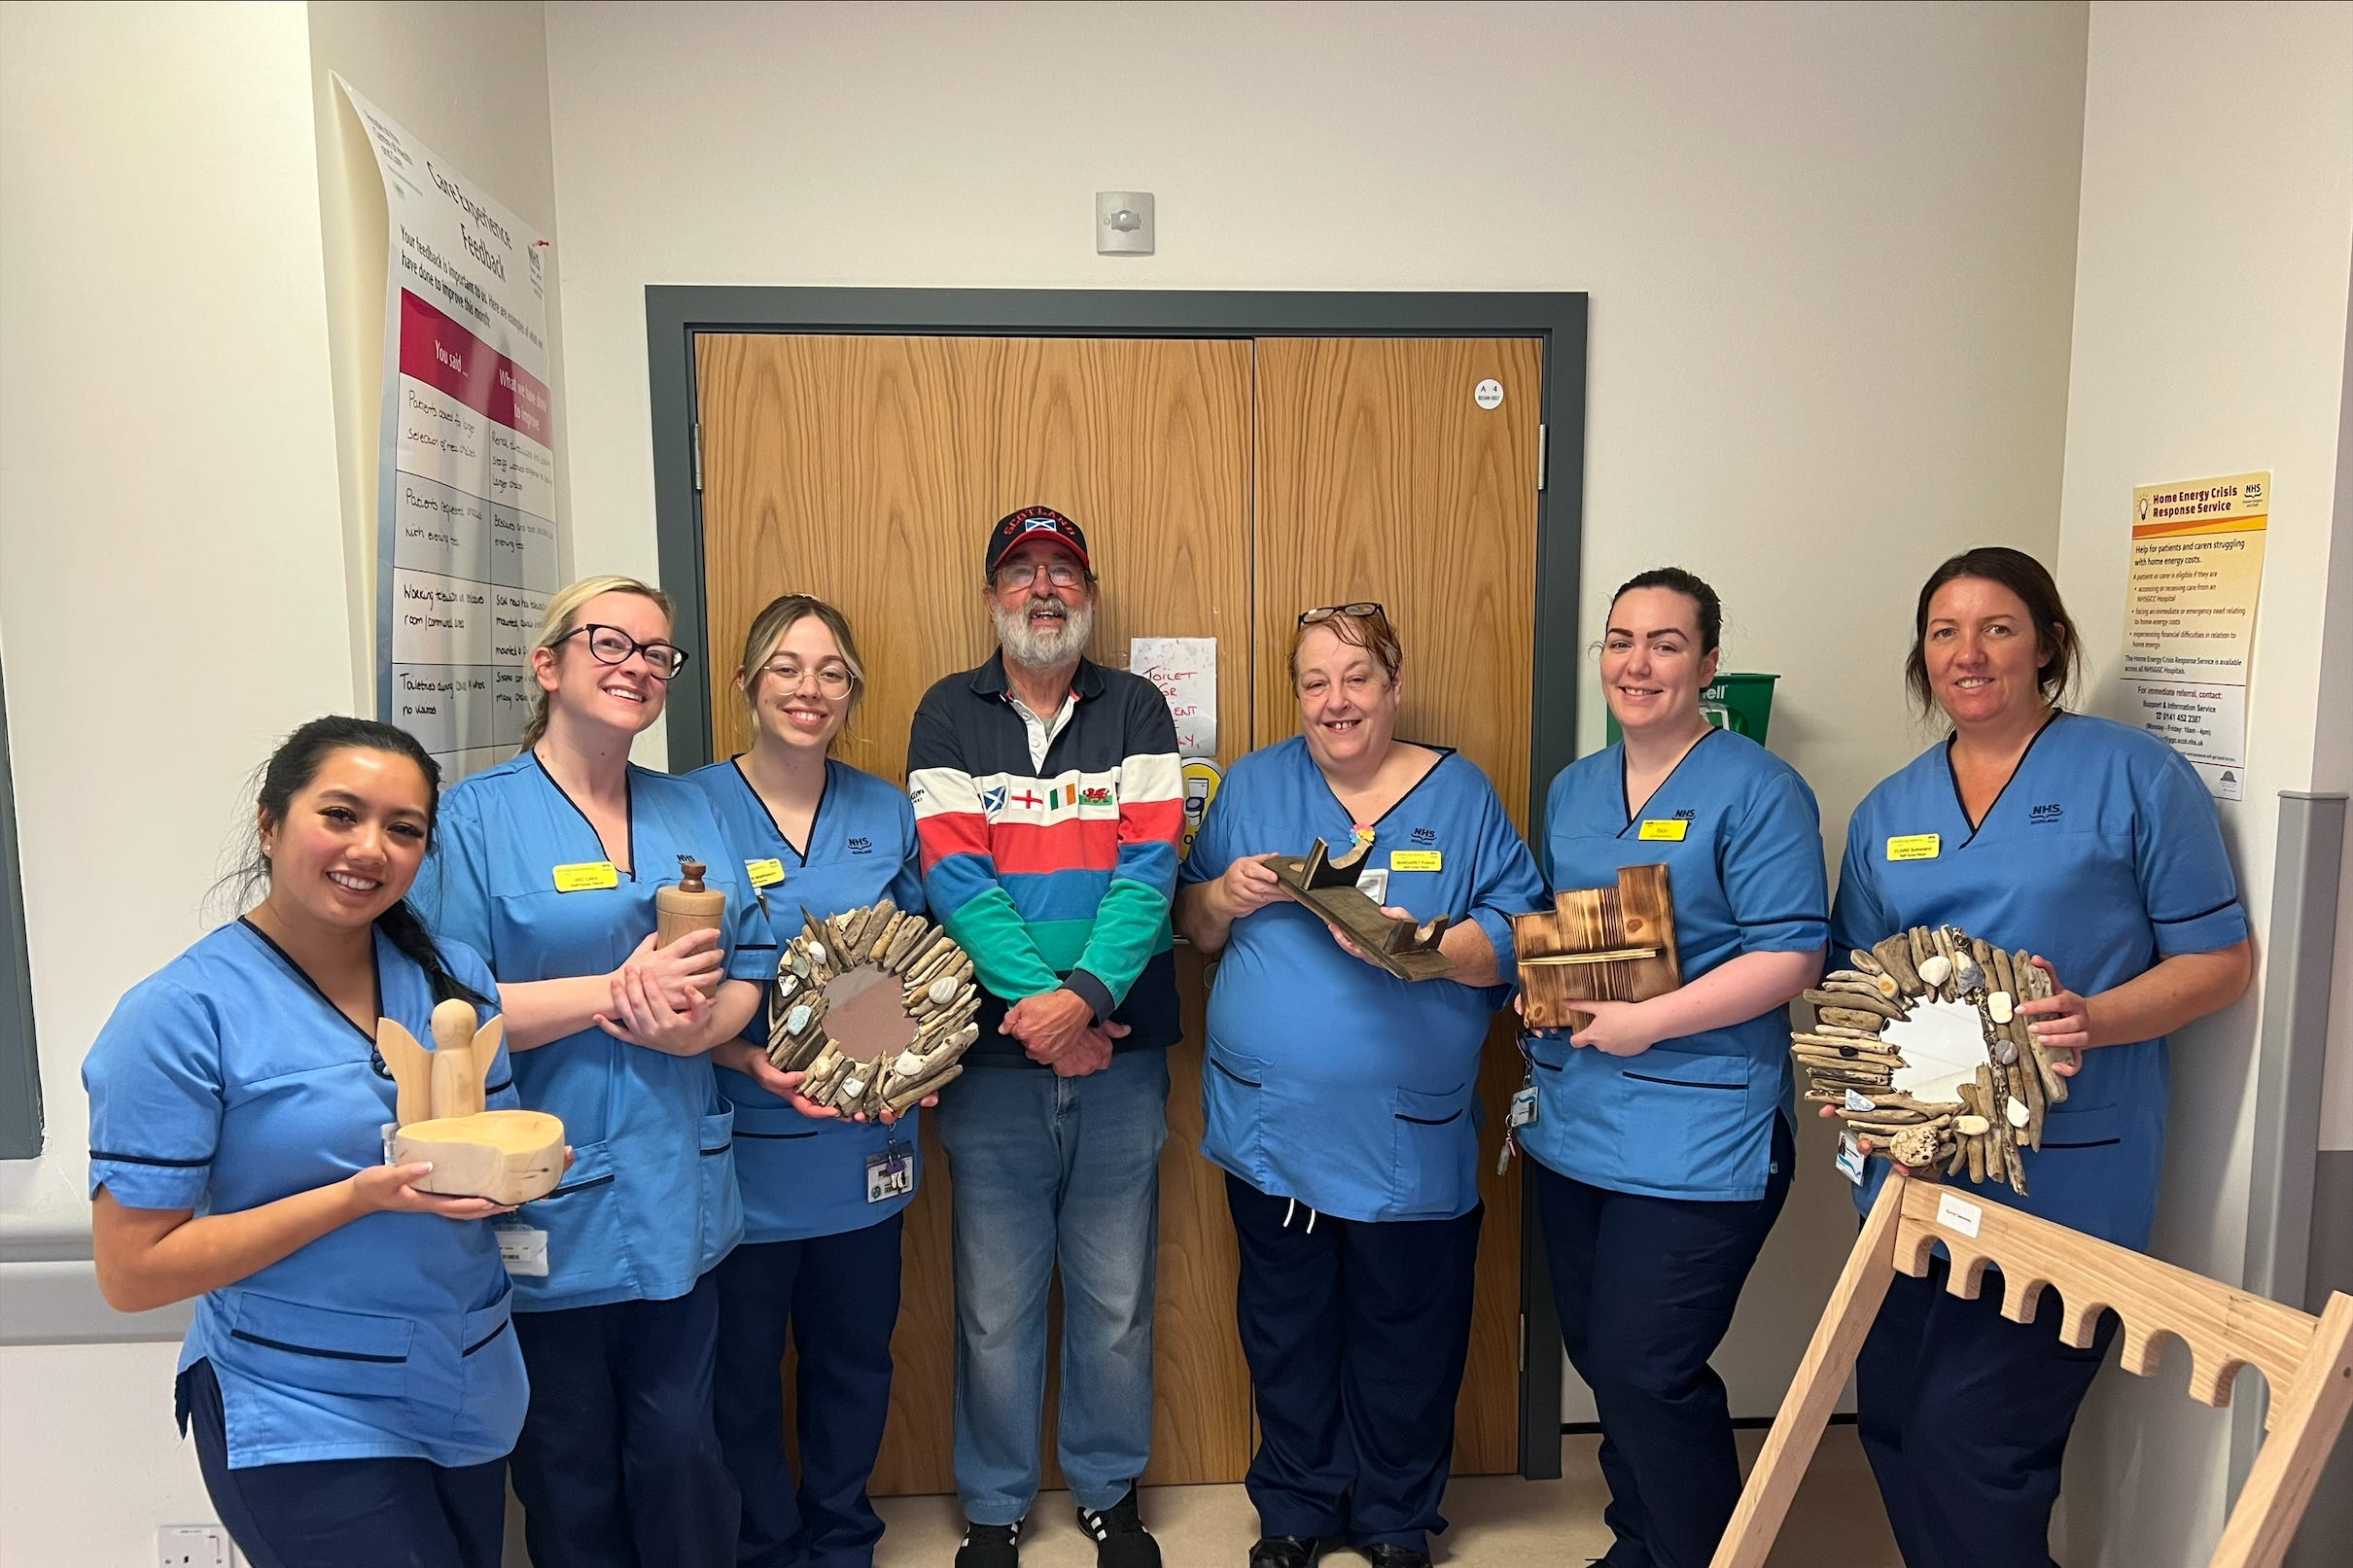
549 865
823 1197
1661 1151
1343 1103
2095 847
350 1375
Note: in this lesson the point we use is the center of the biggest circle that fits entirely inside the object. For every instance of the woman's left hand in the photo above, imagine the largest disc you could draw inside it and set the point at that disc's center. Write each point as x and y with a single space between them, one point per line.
1617 1029
641 1014
1349 946
2062 1021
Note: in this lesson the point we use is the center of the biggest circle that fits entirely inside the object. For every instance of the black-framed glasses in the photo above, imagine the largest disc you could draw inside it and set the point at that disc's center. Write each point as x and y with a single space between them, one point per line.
610 644
1361 609
1061 574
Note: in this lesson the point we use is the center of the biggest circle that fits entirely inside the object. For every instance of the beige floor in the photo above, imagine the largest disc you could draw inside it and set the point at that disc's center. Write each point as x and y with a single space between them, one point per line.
1497 1520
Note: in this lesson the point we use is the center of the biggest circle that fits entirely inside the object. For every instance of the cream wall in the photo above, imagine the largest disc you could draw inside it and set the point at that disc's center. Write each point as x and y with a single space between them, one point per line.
1830 252
170 578
2210 315
174 576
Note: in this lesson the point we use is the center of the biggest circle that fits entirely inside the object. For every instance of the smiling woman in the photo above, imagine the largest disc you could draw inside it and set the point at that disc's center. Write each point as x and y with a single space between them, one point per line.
328 1311
550 865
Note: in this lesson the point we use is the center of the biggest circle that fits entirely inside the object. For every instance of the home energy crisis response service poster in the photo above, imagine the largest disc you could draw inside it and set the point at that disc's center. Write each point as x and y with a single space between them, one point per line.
2196 577
467 555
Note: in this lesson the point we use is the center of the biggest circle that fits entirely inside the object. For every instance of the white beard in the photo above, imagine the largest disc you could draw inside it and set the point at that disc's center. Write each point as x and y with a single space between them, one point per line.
1042 645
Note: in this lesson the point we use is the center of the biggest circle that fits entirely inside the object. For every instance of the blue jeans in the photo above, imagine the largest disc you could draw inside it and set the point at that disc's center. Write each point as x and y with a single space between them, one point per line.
1049 1169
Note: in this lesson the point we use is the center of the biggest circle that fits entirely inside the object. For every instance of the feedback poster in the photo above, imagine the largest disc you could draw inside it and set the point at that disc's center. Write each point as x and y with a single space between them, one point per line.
467 555
2197 570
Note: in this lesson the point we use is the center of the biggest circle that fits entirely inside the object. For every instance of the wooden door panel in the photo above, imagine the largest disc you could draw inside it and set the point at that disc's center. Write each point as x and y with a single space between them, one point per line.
867 470
1380 477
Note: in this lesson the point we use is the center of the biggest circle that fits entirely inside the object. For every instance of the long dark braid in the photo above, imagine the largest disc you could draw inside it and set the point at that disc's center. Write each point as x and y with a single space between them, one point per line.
290 770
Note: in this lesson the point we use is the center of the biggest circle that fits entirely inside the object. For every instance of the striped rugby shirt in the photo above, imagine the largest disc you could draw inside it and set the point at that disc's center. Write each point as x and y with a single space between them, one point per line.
1057 873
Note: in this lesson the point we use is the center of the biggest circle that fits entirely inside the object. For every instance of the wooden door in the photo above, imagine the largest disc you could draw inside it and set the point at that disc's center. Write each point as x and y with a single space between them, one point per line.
868 470
1382 476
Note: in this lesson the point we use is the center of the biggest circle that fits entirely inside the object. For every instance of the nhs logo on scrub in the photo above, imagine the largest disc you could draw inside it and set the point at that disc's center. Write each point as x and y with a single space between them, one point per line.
2046 814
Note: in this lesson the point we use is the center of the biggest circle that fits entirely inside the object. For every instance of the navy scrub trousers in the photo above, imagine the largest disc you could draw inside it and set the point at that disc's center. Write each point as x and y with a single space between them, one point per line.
839 1293
1964 1416
1355 1334
345 1512
630 1379
1646 1288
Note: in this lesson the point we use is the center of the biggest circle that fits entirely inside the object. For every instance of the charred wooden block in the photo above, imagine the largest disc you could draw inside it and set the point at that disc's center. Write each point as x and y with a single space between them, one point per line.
1597 944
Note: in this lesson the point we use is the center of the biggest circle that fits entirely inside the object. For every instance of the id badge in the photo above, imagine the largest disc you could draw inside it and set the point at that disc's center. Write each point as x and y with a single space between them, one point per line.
1851 1158
1523 1106
522 1249
889 1173
1373 883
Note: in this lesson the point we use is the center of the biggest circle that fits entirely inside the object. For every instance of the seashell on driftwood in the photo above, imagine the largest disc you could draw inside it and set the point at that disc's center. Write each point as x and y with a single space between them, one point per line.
875 1007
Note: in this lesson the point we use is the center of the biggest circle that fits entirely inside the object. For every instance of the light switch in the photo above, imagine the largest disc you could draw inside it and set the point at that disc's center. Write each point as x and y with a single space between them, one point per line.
1123 223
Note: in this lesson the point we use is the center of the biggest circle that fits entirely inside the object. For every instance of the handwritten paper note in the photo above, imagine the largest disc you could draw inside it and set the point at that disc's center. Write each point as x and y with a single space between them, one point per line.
1185 670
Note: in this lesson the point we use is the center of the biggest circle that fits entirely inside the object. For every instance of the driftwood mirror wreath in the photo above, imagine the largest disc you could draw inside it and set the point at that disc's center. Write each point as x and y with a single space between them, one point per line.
1921 1048
875 1005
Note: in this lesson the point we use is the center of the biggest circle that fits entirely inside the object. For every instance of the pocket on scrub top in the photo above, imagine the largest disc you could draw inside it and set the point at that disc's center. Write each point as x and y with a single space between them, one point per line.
1437 1153
320 1349
1685 1117
721 1204
1233 1107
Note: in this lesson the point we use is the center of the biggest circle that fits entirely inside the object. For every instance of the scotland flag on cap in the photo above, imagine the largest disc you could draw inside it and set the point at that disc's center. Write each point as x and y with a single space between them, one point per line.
1033 522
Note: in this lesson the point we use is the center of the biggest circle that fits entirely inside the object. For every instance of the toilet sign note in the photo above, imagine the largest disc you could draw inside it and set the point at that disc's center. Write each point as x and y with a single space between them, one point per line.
2196 572
1185 670
466 556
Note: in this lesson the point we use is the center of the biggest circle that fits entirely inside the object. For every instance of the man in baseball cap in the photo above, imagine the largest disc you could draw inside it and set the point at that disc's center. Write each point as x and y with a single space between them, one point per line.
1048 805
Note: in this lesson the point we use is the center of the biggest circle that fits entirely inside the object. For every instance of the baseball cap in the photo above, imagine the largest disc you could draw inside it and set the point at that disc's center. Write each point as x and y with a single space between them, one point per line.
1034 522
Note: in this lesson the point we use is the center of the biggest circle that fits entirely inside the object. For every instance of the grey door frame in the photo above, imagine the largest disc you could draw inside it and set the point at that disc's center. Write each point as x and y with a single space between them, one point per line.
676 314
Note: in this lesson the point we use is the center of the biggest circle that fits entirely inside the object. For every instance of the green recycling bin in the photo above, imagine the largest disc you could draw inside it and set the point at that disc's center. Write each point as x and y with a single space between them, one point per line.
1740 703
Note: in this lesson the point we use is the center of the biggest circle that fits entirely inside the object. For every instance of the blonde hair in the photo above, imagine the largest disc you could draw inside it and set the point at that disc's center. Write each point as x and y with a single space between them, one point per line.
768 629
563 619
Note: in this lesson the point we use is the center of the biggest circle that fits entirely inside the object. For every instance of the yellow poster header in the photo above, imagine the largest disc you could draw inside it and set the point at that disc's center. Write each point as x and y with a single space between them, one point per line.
2236 503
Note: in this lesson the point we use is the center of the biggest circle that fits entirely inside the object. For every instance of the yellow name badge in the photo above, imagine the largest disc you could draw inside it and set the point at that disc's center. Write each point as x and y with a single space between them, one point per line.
1914 847
1669 828
765 873
586 875
1413 859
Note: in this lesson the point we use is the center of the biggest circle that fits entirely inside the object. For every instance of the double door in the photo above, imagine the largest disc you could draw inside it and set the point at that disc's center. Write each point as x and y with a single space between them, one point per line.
1225 485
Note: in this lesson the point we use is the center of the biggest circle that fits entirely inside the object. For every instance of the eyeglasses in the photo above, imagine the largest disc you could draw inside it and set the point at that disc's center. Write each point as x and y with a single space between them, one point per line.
833 682
1061 574
1361 609
610 644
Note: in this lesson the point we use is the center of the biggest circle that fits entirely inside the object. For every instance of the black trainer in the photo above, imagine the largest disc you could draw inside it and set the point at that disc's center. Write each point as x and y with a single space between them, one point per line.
1289 1551
1120 1539
990 1546
1382 1554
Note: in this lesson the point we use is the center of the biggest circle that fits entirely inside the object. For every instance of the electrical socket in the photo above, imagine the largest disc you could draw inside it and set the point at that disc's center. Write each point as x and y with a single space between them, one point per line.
192 1546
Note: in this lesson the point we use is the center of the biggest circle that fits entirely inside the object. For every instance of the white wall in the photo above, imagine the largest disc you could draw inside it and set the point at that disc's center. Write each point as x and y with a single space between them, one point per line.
2210 316
1830 252
170 578
173 573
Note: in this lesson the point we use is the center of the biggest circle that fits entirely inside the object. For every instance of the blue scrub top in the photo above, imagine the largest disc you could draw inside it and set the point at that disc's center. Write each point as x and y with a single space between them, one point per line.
226 1081
2103 854
1329 1080
650 1204
802 1176
1691 1117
